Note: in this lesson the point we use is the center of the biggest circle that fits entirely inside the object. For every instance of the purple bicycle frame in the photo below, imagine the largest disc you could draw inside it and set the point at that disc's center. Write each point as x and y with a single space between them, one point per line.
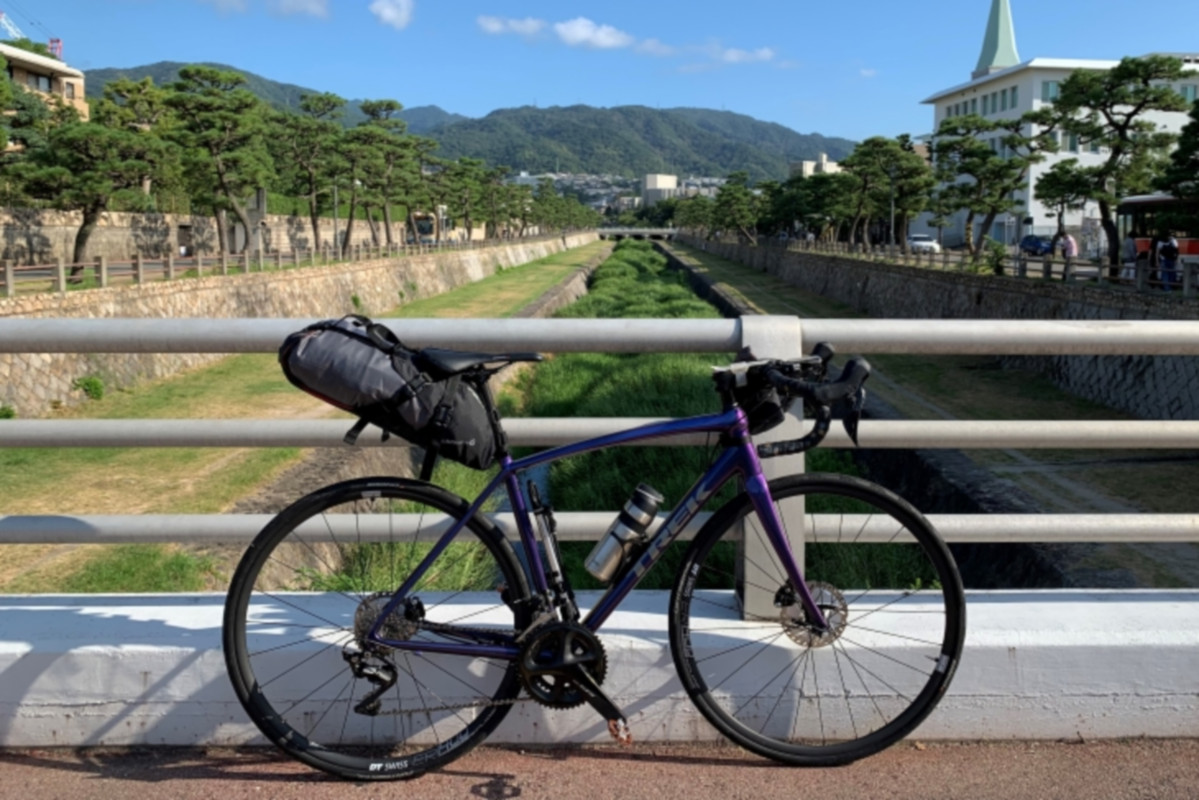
738 459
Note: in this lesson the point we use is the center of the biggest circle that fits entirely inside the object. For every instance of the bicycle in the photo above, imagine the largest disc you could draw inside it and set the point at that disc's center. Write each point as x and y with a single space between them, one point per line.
381 627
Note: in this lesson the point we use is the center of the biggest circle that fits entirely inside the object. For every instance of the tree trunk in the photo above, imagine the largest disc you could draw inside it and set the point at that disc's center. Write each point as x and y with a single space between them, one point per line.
222 230
345 246
387 224
91 216
970 232
369 211
244 218
983 233
1113 239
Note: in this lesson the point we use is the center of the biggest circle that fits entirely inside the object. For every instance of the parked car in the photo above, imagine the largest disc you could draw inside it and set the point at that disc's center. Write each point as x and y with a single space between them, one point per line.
1036 245
923 243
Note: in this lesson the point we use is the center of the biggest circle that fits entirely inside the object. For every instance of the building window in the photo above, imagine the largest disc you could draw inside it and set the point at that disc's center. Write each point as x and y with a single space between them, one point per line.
1189 92
69 90
1003 100
1094 147
1049 91
974 106
1072 143
986 105
39 83
948 112
994 102
1015 97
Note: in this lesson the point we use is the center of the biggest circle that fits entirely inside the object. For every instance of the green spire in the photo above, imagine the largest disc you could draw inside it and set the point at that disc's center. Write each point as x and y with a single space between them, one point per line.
999 46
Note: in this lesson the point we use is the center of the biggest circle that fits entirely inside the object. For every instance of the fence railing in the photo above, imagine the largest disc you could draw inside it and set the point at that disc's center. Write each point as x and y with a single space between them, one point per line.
62 276
1138 277
778 336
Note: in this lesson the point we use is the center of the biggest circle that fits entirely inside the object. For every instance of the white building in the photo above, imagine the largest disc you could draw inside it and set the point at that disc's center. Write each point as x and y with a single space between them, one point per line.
1004 87
657 188
822 166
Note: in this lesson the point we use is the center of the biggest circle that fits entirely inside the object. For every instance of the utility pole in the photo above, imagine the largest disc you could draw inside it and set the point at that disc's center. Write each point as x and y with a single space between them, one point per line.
891 174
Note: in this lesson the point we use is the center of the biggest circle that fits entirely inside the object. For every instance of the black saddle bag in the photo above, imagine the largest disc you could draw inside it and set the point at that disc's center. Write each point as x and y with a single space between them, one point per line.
360 366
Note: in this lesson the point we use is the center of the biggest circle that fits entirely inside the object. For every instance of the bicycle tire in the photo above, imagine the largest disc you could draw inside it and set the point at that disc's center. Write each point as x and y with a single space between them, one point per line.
757 676
328 592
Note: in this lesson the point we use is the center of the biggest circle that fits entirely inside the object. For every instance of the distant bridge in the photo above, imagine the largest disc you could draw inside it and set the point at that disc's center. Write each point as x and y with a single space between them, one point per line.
637 233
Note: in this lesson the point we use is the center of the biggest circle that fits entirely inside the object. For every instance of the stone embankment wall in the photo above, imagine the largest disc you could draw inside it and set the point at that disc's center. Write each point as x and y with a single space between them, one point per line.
35 383
1150 387
33 236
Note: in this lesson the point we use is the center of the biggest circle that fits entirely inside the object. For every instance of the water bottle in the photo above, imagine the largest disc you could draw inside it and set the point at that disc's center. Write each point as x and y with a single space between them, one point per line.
625 535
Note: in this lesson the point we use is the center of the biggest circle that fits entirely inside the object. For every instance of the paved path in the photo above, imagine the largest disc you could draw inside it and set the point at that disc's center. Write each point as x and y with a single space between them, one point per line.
1140 769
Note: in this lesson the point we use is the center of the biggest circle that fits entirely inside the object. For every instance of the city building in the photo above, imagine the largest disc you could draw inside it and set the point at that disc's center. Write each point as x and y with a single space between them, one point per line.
822 166
1004 87
656 188
46 76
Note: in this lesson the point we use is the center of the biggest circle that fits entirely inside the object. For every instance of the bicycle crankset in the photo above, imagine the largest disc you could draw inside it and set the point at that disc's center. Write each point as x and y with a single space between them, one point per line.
562 665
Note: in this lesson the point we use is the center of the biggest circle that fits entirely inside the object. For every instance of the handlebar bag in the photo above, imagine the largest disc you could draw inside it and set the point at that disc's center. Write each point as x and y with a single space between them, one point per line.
360 366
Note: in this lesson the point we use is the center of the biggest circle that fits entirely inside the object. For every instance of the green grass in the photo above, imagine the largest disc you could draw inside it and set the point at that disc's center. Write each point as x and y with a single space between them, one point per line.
142 568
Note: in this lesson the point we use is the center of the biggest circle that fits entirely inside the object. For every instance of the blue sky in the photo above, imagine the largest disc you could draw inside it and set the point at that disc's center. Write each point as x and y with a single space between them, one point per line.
852 68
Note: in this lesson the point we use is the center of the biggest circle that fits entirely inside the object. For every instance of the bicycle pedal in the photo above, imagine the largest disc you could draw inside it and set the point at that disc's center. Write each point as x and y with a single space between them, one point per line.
618 729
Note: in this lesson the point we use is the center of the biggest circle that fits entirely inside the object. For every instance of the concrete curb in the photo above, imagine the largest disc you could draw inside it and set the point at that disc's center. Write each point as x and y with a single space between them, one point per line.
148 670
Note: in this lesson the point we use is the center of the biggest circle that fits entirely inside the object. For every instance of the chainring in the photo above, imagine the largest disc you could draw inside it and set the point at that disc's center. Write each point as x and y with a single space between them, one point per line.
550 653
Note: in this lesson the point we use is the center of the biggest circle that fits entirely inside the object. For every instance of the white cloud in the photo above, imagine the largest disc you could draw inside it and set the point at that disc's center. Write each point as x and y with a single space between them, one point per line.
582 32
227 5
523 27
867 72
734 55
315 8
655 47
396 13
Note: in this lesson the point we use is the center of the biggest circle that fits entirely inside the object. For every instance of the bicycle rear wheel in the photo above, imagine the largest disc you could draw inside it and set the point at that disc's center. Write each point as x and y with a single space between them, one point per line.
763 677
309 589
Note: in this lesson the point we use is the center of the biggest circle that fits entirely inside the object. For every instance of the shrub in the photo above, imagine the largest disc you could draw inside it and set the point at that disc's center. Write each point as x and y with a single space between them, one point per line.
7 412
90 385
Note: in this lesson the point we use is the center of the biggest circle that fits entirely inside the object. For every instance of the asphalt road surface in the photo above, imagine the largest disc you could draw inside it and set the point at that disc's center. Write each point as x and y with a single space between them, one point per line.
1141 769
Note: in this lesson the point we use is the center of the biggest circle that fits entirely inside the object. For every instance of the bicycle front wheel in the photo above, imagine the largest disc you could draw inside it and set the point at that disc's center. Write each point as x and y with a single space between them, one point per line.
778 686
314 583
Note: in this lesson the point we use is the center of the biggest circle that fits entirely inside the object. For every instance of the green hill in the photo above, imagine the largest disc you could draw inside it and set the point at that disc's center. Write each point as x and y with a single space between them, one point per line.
634 140
626 140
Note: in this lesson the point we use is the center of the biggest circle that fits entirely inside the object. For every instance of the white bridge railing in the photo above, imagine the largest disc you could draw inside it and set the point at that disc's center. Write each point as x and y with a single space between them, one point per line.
847 335
1038 664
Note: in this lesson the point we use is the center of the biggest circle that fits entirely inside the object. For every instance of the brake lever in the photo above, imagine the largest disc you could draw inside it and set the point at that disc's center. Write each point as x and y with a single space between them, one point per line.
854 415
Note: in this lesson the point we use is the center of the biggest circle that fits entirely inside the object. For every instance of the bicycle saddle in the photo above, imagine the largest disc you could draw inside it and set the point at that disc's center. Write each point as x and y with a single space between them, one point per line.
451 362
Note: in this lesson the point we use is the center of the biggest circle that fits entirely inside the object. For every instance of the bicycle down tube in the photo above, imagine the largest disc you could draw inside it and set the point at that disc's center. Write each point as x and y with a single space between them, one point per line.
740 458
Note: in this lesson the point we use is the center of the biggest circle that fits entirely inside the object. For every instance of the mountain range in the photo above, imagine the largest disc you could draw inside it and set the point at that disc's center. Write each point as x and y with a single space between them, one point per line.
625 140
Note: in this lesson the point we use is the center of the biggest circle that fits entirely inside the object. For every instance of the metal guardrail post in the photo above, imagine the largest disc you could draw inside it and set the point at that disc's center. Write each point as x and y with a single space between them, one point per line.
170 266
245 261
1022 266
278 259
1142 270
224 263
139 269
773 337
60 275
1068 270
1188 278
1047 268
10 279
102 271
295 257
261 260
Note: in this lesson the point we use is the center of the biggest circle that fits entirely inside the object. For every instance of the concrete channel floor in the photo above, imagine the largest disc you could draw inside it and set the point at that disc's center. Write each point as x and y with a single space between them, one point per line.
1062 482
1102 770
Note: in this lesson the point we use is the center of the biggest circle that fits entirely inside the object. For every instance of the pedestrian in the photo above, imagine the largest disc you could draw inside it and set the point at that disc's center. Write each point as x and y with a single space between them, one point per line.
1167 253
1128 258
1069 247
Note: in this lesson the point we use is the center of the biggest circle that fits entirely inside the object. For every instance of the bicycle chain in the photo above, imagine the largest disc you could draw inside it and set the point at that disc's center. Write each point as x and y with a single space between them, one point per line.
511 702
